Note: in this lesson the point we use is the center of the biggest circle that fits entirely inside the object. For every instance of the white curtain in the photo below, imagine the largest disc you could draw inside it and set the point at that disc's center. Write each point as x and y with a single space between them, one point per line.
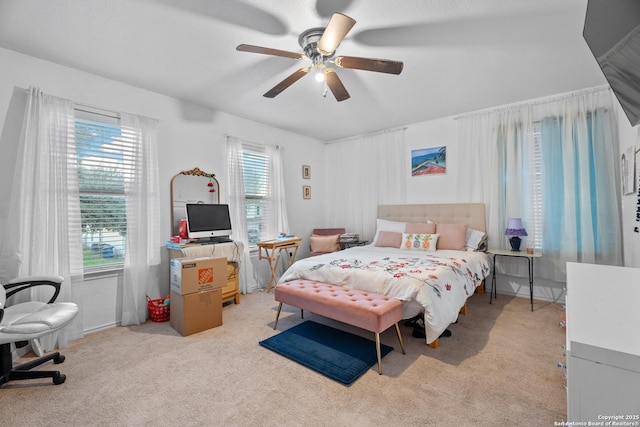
366 171
577 217
142 254
278 222
43 234
494 170
237 210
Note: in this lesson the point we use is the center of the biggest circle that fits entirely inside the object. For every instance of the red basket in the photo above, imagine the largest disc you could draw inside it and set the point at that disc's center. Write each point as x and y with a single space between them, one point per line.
157 310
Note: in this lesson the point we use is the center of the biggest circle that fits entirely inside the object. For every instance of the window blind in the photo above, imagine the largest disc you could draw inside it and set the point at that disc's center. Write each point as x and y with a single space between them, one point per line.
256 166
105 153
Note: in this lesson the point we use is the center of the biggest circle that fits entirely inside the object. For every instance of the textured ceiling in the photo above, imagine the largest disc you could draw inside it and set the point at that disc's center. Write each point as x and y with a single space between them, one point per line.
459 55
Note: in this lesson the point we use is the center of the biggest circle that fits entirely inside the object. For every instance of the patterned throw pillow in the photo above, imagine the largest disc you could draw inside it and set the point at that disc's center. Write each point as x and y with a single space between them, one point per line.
419 242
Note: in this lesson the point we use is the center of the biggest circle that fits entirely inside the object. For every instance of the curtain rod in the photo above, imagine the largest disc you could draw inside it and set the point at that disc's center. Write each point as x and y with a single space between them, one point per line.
83 105
535 102
254 144
364 135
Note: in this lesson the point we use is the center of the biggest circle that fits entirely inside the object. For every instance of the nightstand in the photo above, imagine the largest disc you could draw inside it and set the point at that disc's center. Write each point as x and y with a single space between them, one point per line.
506 252
351 243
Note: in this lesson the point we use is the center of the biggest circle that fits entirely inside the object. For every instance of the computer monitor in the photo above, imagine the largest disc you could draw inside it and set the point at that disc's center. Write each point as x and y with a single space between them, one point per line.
208 221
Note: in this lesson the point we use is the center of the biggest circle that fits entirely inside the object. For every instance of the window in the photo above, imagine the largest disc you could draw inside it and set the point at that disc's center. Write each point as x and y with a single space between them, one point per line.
104 161
256 166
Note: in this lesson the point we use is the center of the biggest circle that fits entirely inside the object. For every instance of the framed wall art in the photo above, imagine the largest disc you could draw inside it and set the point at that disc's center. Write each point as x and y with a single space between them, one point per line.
429 161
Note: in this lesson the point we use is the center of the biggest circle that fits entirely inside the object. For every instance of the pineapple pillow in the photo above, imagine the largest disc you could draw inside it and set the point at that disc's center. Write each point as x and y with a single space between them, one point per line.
419 242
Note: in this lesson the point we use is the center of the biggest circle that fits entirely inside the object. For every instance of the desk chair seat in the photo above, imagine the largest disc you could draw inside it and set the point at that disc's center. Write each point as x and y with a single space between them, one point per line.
29 321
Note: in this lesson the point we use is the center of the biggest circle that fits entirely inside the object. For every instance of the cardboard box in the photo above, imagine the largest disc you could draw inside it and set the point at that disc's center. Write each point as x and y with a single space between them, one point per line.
196 312
189 275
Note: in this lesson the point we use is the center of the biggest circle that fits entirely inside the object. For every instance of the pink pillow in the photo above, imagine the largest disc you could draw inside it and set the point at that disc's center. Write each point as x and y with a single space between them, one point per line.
390 239
452 236
415 228
324 243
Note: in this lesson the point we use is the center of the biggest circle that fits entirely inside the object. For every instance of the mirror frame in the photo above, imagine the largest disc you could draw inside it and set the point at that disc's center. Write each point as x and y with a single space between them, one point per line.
195 172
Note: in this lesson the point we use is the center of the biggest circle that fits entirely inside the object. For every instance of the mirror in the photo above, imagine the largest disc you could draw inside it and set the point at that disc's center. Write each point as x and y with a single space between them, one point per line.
193 186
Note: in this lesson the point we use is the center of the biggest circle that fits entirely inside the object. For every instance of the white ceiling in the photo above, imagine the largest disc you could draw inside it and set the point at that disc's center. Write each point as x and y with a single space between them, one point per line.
459 55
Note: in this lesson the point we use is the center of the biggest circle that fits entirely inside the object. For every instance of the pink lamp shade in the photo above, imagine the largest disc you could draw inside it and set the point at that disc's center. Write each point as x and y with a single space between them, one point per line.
515 228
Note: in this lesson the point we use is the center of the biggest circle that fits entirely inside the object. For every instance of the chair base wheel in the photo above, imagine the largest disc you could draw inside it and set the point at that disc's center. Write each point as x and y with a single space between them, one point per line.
58 359
59 378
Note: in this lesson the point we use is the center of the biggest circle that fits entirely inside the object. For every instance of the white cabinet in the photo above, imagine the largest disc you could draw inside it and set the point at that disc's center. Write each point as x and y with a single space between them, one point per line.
603 343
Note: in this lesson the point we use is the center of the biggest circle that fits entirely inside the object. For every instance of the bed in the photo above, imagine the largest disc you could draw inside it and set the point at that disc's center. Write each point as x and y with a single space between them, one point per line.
424 272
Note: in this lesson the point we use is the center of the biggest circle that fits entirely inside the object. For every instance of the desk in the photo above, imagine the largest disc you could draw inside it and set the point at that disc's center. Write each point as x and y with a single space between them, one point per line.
271 250
503 252
232 251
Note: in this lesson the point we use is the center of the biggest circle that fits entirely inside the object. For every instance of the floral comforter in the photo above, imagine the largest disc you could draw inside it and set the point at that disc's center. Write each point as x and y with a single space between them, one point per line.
437 283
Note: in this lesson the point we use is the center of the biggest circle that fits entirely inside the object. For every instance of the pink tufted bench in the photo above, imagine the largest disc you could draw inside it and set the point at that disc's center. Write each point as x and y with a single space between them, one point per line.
365 310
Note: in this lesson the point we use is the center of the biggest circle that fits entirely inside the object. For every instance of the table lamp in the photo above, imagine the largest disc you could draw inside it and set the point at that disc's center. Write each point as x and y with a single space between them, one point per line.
514 231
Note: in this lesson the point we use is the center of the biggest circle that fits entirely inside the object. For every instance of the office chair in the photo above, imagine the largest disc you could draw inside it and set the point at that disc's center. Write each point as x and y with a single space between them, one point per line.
31 320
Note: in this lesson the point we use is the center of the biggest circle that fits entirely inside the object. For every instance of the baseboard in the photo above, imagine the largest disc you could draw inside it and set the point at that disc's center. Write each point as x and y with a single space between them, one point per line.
101 328
543 289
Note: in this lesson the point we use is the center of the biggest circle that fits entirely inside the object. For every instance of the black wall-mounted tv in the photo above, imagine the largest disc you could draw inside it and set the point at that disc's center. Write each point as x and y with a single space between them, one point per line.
612 32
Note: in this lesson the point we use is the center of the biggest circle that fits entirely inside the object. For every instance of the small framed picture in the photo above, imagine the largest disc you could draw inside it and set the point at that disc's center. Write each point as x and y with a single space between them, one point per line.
306 171
627 167
306 191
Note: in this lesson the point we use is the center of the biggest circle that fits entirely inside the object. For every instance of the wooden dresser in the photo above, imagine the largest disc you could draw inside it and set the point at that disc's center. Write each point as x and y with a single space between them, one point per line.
232 251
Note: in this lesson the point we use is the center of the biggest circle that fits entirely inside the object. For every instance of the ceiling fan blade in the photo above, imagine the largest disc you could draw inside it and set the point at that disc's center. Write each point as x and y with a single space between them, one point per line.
280 87
370 64
269 51
335 84
336 30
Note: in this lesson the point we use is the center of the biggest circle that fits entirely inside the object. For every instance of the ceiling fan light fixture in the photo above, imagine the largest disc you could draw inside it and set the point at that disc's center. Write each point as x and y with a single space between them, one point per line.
319 45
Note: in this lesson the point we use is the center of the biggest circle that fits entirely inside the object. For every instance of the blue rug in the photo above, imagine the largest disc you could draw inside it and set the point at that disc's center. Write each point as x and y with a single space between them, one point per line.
336 354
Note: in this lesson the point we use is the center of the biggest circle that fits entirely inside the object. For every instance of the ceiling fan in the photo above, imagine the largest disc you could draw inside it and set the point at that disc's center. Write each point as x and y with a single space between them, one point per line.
319 45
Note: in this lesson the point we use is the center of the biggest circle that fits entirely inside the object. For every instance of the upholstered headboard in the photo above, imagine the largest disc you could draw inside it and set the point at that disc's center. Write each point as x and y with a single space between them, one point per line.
472 214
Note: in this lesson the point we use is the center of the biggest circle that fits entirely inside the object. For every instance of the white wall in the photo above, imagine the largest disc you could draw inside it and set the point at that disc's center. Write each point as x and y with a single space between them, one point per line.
628 137
189 136
447 189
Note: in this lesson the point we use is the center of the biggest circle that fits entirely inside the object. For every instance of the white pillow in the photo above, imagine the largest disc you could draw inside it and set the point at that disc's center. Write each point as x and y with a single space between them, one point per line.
386 225
475 240
419 242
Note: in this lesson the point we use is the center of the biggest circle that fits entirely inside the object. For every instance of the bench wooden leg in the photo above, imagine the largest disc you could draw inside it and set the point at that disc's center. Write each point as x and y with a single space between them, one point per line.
400 338
277 316
378 352
434 344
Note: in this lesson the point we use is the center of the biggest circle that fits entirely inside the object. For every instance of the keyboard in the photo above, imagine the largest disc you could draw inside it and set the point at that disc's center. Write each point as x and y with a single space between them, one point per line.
215 240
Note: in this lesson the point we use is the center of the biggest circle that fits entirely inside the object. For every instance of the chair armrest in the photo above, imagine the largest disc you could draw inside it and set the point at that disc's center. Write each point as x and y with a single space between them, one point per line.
16 285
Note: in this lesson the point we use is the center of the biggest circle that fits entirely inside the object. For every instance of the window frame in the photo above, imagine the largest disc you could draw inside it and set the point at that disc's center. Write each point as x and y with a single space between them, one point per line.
256 154
87 117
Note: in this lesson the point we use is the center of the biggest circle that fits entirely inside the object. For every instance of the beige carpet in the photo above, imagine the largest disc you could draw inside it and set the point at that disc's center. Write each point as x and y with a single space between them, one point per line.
498 368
